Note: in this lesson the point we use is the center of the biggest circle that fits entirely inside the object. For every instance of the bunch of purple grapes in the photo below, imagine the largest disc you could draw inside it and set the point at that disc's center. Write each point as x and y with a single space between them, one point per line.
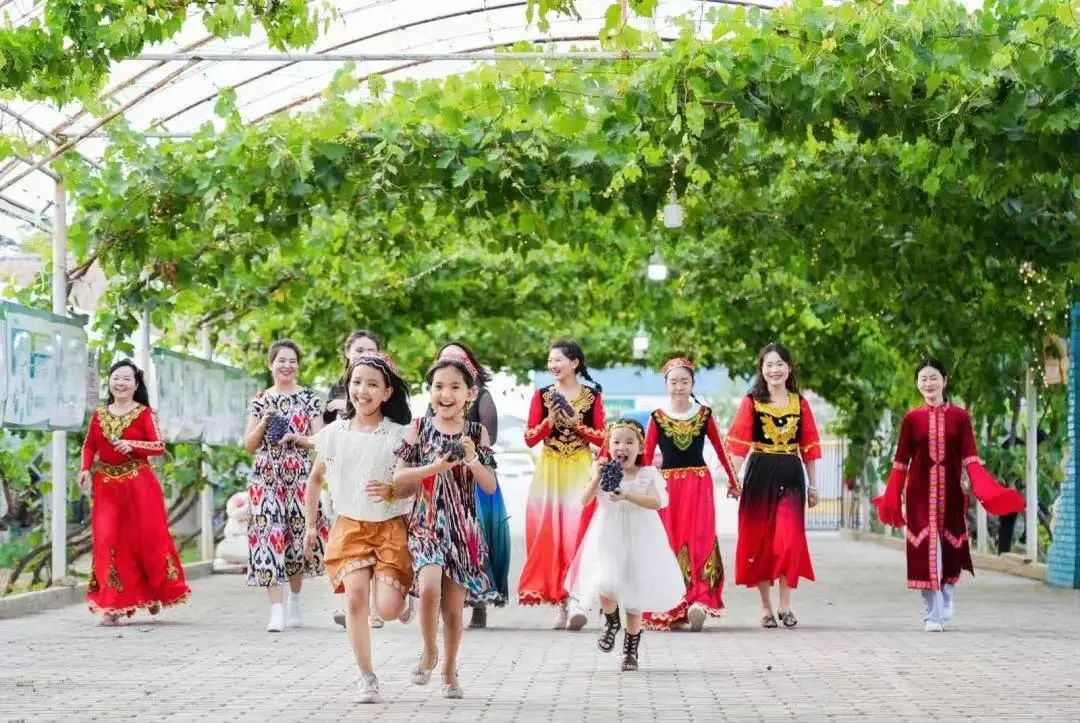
562 404
451 448
277 427
611 474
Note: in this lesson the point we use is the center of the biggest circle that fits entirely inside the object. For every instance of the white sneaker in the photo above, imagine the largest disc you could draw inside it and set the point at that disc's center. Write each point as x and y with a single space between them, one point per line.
560 617
277 618
931 627
295 617
407 613
577 618
696 616
376 621
367 690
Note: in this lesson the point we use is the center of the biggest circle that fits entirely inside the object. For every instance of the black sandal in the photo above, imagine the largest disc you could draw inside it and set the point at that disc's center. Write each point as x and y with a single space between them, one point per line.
612 626
768 622
630 651
788 619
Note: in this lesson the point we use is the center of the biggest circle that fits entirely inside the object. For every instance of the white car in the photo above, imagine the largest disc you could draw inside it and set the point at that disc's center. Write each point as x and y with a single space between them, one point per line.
514 468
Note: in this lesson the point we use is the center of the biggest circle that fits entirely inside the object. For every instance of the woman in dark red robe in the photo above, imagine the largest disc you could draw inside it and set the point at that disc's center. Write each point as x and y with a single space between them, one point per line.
935 446
135 564
775 426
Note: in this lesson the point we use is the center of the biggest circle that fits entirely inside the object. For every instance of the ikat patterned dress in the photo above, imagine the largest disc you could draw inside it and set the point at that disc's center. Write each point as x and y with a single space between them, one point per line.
444 529
276 489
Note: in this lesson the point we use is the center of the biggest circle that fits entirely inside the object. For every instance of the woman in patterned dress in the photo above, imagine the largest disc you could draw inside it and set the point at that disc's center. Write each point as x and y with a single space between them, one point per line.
135 564
443 458
775 427
276 488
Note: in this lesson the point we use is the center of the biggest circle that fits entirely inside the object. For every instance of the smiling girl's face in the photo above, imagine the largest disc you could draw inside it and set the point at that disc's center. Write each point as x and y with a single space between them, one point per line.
368 390
624 446
450 392
362 347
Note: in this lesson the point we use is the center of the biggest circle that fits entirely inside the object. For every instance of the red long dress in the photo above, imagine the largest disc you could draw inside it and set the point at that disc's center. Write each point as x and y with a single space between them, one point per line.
135 564
555 521
690 517
772 523
936 444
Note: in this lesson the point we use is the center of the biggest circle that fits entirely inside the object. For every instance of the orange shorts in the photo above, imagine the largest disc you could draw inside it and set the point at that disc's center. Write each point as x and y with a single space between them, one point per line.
357 545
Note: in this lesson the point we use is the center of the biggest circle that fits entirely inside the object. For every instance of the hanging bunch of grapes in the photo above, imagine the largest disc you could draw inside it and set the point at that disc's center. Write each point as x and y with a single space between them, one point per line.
277 427
611 474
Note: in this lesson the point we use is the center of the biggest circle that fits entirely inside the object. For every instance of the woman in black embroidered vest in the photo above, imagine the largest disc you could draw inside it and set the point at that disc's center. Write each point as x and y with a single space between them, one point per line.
775 427
680 431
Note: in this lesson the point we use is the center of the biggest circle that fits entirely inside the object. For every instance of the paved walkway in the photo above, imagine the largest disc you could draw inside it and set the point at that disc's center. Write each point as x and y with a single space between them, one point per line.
858 654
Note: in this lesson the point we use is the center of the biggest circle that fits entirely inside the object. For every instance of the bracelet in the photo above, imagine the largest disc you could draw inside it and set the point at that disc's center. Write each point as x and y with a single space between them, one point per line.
471 462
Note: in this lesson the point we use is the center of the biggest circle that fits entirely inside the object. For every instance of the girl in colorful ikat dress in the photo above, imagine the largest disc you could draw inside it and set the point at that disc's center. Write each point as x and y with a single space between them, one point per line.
443 458
135 564
936 445
367 555
680 431
775 426
490 509
277 485
566 417
625 559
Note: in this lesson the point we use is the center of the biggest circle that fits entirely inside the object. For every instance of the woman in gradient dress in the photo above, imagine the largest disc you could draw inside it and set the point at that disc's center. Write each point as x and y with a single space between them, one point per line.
554 513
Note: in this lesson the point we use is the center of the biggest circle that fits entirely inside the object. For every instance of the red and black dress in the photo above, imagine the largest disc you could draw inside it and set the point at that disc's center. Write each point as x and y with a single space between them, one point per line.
690 517
135 564
772 525
936 445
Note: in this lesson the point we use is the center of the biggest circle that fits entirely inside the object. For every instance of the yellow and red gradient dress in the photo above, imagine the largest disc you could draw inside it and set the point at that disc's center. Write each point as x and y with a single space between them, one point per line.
778 438
936 445
553 519
135 564
690 517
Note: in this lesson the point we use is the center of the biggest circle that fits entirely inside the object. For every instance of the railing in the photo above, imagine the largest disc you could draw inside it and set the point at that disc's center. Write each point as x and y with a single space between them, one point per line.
829 512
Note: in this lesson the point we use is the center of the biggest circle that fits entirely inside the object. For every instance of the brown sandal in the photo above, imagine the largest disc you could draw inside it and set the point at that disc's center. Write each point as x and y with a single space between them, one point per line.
788 619
768 621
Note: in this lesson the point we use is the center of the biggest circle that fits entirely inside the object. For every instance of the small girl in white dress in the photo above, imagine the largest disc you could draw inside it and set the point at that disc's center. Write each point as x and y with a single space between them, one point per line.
625 559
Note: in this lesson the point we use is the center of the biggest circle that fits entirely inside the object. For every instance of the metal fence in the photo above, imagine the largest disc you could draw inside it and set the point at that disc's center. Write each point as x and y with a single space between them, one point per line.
828 514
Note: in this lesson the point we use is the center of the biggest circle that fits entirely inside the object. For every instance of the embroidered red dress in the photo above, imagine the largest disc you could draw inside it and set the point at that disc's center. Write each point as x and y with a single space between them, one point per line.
936 445
690 517
135 564
554 520
772 523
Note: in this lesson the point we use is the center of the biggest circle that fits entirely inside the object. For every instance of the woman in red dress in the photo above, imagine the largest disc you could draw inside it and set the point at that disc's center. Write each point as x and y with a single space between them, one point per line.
775 426
936 445
680 431
135 564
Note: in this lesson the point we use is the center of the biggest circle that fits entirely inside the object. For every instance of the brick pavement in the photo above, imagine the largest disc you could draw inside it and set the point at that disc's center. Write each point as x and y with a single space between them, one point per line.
858 654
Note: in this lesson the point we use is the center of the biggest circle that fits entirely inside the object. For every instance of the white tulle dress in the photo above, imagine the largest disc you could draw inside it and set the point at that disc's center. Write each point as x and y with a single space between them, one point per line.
625 554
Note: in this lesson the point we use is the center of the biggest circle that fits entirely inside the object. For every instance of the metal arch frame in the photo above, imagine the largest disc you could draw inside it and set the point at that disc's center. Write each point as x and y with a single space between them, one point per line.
473 54
413 59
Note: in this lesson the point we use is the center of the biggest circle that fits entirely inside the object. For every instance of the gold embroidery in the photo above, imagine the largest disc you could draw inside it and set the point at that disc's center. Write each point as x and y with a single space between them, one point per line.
713 571
113 426
684 564
171 573
776 410
775 448
683 473
682 432
113 580
93 585
152 446
566 440
781 433
119 472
